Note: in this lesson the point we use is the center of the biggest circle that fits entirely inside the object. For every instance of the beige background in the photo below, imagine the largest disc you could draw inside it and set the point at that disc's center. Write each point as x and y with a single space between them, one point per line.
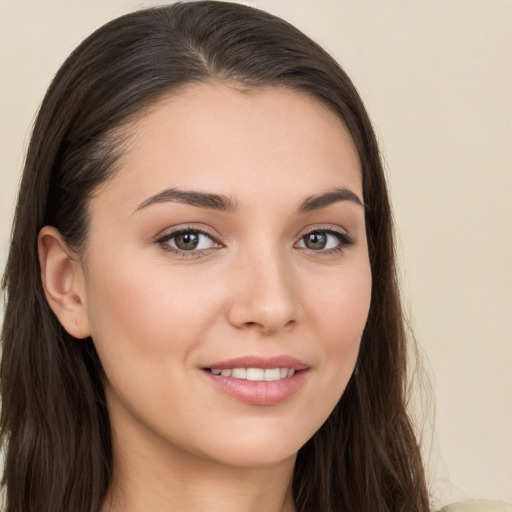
437 79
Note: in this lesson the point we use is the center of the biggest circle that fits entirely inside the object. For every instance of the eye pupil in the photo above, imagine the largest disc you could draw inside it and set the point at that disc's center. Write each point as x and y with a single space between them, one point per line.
187 241
315 240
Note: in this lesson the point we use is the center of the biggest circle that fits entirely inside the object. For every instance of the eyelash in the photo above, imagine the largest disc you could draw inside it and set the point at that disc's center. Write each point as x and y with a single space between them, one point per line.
344 239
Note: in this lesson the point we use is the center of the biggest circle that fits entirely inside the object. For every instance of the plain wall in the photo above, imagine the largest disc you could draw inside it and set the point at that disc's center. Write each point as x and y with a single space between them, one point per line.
436 77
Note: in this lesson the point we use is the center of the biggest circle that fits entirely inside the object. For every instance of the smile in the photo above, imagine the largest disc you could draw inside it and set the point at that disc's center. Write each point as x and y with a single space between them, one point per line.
258 380
255 374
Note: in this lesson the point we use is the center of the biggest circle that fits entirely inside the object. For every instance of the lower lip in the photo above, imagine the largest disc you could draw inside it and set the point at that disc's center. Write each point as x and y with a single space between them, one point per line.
259 392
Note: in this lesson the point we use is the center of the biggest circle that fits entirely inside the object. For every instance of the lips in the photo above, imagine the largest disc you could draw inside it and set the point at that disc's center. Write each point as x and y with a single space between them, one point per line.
260 362
257 380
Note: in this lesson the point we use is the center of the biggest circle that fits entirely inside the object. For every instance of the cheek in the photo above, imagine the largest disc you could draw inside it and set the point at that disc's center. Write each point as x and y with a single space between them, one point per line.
147 322
146 318
338 315
140 296
345 312
341 309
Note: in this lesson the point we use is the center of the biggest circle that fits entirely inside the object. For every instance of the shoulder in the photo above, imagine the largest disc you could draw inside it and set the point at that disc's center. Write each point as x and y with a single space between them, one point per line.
478 506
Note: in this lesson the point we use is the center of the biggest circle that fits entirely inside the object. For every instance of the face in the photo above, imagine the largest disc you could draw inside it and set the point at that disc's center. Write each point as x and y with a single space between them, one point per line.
226 277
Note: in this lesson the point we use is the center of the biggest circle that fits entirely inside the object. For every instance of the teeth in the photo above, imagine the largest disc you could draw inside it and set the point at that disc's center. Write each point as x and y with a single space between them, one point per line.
256 374
239 373
272 374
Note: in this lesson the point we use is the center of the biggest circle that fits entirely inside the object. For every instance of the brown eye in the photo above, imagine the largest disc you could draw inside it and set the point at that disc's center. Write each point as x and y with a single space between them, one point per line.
325 241
316 240
187 241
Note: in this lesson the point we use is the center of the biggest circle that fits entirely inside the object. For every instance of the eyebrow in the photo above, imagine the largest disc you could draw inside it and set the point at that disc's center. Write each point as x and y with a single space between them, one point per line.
193 198
224 203
331 197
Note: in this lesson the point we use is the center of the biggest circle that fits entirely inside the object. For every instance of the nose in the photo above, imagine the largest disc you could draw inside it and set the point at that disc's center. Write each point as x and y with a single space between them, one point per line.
264 294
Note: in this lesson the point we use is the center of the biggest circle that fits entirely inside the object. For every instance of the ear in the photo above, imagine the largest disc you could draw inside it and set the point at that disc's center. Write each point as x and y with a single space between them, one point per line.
63 282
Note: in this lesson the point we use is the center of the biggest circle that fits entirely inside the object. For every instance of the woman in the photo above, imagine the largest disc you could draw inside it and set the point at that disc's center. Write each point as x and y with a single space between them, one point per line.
202 310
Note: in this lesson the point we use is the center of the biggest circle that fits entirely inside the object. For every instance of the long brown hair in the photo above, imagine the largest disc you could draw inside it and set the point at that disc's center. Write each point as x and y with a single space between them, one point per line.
54 420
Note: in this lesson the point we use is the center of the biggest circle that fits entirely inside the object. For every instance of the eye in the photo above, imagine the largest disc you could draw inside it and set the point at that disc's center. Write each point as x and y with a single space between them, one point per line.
326 240
187 240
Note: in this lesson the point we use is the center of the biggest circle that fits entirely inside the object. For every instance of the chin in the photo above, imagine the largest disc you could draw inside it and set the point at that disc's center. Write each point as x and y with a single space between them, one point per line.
259 455
261 444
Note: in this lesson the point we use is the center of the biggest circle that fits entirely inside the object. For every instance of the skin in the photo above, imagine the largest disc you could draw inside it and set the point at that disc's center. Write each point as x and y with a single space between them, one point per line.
158 316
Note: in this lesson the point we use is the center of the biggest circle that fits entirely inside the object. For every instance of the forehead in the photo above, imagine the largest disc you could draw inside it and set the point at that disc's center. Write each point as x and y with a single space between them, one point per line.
232 141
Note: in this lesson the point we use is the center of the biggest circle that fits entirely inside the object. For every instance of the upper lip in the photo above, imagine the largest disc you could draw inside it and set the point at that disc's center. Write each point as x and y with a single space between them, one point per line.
253 361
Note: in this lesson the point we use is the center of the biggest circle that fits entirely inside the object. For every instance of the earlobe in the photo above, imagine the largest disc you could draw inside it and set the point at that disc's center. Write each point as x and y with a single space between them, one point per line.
63 282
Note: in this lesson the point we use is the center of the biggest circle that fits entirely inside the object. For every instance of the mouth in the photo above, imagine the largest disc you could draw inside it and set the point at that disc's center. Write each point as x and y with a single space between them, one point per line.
258 381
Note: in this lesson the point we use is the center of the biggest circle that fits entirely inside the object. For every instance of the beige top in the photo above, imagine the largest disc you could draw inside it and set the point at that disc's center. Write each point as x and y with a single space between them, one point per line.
478 506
